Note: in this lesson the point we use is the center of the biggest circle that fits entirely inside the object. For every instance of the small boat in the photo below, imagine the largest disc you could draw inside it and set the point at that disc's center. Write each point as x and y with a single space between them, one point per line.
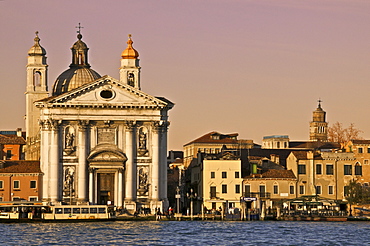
41 212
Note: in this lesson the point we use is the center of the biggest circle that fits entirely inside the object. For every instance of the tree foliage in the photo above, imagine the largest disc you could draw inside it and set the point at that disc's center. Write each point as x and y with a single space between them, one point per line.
336 133
357 193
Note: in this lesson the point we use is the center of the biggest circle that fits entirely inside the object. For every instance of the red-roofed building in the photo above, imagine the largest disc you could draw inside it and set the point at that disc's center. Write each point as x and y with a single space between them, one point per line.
20 180
212 143
11 145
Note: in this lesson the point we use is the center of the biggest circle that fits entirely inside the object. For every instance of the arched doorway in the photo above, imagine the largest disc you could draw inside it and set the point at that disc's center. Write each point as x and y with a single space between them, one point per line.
106 167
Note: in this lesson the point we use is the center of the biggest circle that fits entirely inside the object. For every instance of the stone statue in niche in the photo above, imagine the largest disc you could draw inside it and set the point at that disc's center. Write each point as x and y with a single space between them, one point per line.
143 182
68 187
131 79
142 150
69 146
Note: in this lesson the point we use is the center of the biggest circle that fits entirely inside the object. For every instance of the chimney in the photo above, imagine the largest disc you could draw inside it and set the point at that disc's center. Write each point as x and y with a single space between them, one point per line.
19 132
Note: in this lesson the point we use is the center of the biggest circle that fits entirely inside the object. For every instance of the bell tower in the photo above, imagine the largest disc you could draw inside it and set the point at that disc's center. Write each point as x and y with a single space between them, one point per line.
36 89
130 69
318 125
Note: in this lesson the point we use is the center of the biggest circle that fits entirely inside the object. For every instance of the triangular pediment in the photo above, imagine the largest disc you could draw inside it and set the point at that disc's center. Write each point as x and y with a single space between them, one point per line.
106 92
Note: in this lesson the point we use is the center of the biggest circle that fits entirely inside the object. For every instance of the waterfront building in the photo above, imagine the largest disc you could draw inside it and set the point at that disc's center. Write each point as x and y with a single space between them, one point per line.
221 182
212 143
326 174
99 139
269 188
361 151
20 180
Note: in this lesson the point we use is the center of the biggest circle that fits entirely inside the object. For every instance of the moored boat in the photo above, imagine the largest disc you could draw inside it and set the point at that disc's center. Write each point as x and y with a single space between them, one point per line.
40 212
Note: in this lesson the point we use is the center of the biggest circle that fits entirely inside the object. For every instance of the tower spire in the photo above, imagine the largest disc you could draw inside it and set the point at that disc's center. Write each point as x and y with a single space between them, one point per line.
130 69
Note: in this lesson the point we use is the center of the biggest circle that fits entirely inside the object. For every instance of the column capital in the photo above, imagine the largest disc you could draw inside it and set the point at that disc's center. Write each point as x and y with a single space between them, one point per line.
44 124
91 169
160 126
54 124
83 124
130 124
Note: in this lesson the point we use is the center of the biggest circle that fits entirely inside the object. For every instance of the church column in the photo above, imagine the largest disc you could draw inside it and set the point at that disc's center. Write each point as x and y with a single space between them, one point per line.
120 188
82 165
130 187
91 185
156 129
44 157
55 191
163 161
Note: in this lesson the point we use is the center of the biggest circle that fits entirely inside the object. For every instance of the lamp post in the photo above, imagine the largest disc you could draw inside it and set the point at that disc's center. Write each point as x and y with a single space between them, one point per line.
192 196
178 196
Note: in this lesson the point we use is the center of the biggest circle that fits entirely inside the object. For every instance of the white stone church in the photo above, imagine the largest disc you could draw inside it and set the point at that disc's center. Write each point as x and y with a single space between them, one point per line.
99 140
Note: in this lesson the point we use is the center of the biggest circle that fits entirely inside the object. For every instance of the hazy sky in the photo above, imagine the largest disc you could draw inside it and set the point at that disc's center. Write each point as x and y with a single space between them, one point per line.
253 67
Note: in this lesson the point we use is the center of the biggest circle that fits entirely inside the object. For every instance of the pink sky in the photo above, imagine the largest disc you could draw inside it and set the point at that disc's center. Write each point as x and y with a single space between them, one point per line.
253 67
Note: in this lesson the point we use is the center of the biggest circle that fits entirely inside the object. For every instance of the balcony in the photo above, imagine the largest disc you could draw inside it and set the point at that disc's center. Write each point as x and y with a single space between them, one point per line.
257 194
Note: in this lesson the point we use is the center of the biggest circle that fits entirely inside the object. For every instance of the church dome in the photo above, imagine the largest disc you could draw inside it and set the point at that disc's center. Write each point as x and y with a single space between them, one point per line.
129 52
74 78
79 72
37 49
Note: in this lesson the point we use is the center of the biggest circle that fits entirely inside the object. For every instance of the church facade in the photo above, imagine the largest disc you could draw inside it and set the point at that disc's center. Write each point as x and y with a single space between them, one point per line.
99 140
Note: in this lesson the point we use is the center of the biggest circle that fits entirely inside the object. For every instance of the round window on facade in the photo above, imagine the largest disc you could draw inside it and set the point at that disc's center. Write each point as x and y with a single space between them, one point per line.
106 94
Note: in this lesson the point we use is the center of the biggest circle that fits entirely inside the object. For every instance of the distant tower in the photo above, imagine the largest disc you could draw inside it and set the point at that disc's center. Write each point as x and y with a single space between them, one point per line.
318 125
130 69
36 89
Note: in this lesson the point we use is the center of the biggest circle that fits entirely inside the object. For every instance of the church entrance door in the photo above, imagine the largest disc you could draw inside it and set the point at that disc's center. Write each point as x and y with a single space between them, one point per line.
105 182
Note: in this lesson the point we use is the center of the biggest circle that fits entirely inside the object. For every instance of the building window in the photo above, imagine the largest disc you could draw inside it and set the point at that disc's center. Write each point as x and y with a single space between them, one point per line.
237 189
16 184
1 184
358 169
16 198
368 150
276 189
318 169
360 150
224 189
366 162
224 175
301 169
213 192
301 189
318 190
33 184
1 198
330 190
237 175
32 198
212 175
291 189
329 169
247 190
347 169
262 191
8 154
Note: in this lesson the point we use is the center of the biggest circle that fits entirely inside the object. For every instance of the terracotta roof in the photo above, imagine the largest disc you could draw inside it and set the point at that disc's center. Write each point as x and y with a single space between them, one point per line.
274 173
11 139
20 167
300 155
223 138
313 145
357 141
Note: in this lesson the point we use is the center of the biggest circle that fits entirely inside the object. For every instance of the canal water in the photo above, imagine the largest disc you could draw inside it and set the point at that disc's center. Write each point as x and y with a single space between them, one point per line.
187 233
